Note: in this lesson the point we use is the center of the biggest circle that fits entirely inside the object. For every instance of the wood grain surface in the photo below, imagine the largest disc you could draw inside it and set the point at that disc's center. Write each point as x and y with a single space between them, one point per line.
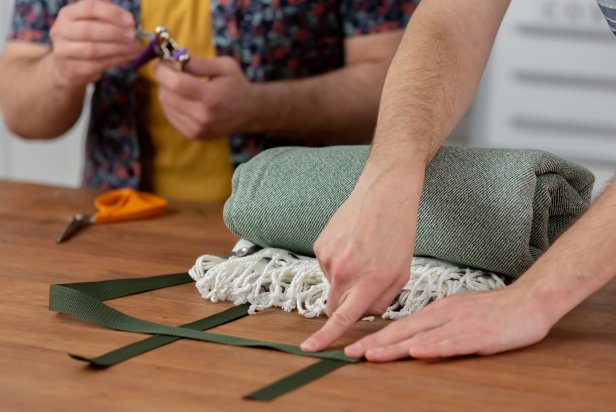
573 369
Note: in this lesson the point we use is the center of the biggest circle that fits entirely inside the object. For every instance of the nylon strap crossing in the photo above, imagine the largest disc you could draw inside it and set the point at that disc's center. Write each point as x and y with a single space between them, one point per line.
85 300
134 349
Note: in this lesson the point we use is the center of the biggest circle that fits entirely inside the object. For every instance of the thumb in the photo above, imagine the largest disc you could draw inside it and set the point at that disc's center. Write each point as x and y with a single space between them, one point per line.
211 67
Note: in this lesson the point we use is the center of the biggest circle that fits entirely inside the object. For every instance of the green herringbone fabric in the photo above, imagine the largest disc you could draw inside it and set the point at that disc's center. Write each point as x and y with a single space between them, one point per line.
494 209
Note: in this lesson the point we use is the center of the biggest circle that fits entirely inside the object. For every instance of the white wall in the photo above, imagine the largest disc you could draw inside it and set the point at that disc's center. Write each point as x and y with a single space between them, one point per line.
551 84
56 162
551 72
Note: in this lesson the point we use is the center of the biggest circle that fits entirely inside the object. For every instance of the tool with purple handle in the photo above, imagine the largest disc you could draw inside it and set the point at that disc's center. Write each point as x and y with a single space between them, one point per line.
161 45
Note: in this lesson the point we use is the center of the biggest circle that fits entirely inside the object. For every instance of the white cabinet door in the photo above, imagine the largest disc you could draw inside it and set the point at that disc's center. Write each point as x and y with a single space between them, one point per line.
56 162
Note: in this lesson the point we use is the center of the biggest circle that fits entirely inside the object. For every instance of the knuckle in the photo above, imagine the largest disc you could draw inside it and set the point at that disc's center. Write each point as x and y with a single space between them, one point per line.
490 347
203 119
88 50
120 14
175 84
53 32
228 64
340 272
318 245
200 118
88 6
83 31
329 308
341 319
59 49
377 310
116 34
216 103
325 261
210 101
62 13
163 98
227 61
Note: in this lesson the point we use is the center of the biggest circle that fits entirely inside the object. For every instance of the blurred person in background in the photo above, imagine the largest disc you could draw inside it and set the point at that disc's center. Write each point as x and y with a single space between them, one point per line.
308 72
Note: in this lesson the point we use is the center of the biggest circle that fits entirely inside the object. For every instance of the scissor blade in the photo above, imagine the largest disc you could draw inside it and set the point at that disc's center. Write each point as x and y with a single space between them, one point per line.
77 222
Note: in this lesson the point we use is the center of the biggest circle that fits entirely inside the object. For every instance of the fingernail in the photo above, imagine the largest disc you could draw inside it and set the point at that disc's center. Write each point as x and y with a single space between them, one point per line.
127 18
374 351
414 351
309 345
355 350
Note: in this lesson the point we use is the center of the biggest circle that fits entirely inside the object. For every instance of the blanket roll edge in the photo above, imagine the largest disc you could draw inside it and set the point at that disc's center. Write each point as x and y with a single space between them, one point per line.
579 178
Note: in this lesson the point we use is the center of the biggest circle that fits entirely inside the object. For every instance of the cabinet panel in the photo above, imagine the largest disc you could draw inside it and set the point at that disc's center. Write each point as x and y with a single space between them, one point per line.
550 84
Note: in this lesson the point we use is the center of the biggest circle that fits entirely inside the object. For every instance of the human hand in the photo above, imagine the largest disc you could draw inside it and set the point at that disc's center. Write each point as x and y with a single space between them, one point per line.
206 110
481 323
365 250
89 37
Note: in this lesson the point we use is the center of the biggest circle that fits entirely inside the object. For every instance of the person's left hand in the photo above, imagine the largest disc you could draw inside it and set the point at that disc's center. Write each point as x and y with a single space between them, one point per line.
467 323
207 109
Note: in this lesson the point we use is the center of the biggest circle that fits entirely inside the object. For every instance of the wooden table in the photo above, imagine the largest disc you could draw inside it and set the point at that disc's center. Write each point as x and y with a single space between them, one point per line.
574 368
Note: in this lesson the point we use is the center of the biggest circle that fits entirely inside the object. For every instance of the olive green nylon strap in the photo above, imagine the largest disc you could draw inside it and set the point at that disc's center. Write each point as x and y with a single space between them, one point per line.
137 348
84 300
299 378
64 299
118 288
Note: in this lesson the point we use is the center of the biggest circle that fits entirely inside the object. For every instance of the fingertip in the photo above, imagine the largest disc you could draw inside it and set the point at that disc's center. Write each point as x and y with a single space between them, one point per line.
310 345
375 354
355 350
201 67
126 18
421 352
192 65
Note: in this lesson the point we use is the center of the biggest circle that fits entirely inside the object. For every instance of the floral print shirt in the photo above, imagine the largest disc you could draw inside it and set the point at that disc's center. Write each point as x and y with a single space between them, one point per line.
608 7
271 39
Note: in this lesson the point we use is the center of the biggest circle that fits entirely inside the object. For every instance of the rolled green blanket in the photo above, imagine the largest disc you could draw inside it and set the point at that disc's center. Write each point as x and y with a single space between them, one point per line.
492 209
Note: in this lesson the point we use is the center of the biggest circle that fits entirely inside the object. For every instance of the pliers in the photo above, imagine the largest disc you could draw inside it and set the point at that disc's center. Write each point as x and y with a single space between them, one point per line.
161 45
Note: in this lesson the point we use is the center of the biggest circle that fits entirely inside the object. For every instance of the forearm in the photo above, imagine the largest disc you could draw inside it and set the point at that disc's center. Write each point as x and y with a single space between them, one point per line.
34 105
581 261
340 106
433 78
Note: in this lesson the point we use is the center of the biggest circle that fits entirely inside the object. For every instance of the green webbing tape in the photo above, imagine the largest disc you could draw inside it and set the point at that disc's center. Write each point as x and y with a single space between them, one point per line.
118 288
65 299
134 349
84 300
296 380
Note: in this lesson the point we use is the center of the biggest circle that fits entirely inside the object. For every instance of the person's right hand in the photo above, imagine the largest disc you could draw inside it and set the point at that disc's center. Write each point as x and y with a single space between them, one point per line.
89 37
365 250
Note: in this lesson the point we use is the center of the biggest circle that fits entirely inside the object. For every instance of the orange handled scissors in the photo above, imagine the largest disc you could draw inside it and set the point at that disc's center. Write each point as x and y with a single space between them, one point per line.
116 206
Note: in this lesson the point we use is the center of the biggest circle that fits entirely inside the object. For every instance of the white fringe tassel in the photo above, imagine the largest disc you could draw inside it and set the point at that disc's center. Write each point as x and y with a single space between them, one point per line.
277 278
